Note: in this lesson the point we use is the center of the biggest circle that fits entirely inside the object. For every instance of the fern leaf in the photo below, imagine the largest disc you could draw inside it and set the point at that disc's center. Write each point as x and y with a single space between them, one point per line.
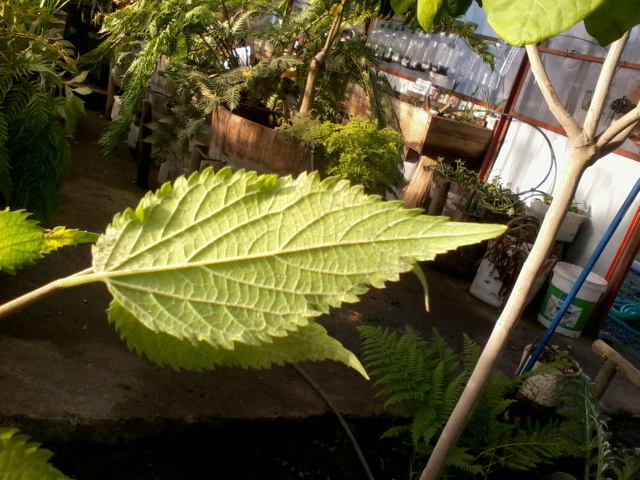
231 258
20 458
22 241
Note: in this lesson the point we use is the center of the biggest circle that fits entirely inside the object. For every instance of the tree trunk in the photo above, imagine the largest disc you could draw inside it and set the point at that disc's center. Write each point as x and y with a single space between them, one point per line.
317 64
586 148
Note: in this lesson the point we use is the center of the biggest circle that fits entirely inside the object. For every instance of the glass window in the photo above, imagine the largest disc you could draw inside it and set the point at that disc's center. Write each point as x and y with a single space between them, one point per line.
574 81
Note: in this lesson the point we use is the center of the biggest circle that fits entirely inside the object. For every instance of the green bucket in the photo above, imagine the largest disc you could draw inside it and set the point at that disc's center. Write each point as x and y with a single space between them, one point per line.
577 315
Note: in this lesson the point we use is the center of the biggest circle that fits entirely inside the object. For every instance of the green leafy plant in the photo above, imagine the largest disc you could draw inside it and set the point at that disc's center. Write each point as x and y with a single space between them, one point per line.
20 458
38 108
358 151
231 268
203 41
23 241
486 195
423 380
587 425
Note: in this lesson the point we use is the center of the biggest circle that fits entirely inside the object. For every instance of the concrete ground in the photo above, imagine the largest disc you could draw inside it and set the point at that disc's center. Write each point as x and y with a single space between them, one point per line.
63 369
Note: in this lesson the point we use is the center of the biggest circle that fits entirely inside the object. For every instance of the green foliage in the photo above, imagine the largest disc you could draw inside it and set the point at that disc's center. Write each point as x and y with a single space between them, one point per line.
423 380
202 33
358 151
198 93
24 241
587 425
200 40
232 260
21 459
522 22
38 109
612 18
487 195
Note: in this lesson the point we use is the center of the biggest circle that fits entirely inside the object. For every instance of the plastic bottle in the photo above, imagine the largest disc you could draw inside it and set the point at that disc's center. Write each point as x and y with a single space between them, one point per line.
450 56
427 61
420 43
412 46
440 53
400 45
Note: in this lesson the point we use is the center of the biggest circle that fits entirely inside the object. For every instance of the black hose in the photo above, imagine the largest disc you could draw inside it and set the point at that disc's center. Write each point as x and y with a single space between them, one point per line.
554 163
341 419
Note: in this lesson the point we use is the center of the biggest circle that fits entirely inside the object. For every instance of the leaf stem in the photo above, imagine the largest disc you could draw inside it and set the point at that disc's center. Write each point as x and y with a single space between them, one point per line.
33 296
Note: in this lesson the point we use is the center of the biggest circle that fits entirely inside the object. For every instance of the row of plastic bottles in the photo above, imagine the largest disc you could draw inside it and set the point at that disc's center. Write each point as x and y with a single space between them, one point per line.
440 53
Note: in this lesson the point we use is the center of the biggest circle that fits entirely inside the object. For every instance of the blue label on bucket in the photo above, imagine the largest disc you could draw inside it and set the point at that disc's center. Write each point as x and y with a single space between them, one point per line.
570 318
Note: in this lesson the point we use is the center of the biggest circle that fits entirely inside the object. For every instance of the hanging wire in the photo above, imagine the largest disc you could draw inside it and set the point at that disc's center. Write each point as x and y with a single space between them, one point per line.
553 164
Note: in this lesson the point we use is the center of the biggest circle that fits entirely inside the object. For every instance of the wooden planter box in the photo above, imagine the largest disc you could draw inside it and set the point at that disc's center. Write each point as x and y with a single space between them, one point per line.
244 144
438 136
426 134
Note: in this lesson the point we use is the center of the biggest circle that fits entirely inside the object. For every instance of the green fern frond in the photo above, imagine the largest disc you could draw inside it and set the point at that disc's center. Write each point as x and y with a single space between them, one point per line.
425 380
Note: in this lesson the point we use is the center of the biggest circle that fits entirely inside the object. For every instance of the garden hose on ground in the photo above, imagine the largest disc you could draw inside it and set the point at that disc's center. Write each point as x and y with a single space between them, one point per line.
626 314
341 419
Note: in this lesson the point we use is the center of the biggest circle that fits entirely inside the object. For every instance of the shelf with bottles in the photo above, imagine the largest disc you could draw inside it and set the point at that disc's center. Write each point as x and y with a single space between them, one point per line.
412 57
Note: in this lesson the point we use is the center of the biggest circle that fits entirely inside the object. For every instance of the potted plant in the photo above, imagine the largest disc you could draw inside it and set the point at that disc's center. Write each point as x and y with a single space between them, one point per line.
570 224
503 261
551 372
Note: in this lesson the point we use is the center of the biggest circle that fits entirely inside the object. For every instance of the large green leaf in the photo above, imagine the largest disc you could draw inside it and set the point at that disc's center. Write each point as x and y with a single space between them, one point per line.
612 19
22 241
521 22
23 460
310 342
426 12
233 259
401 6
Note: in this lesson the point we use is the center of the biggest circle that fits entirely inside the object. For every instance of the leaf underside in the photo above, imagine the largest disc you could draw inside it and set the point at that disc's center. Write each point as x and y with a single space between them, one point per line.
242 263
612 19
524 22
22 241
21 459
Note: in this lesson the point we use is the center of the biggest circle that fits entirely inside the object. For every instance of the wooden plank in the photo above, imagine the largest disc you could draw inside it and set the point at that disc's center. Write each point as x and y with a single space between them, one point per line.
246 144
603 379
625 367
438 195
418 188
414 123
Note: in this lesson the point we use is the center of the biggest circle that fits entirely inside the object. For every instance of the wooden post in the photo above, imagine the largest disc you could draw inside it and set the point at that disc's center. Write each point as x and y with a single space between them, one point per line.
418 187
439 195
111 89
614 362
144 148
604 377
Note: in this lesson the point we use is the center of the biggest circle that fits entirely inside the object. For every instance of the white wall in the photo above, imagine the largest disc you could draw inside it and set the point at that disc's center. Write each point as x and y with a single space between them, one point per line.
523 162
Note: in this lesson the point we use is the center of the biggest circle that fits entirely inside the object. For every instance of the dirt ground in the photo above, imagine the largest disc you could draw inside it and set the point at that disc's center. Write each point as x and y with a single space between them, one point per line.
66 377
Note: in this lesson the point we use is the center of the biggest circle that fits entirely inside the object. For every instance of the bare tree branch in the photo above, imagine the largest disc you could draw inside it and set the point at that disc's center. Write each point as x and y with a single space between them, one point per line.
621 125
602 87
574 132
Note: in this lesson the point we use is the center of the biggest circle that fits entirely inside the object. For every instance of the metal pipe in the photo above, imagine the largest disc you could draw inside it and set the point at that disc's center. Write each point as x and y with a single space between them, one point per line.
566 303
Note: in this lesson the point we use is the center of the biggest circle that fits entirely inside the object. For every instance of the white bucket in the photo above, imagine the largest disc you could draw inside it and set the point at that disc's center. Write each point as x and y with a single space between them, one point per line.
562 281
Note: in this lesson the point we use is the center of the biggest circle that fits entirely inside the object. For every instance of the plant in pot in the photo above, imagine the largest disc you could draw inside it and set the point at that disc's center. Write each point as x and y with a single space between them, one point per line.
467 196
457 192
358 151
550 374
571 222
501 264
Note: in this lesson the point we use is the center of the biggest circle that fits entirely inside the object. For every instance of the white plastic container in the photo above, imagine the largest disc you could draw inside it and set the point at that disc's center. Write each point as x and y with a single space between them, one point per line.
570 224
563 279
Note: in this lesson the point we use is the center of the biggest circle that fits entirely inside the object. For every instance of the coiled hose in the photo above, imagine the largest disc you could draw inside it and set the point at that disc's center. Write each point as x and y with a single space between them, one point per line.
626 313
